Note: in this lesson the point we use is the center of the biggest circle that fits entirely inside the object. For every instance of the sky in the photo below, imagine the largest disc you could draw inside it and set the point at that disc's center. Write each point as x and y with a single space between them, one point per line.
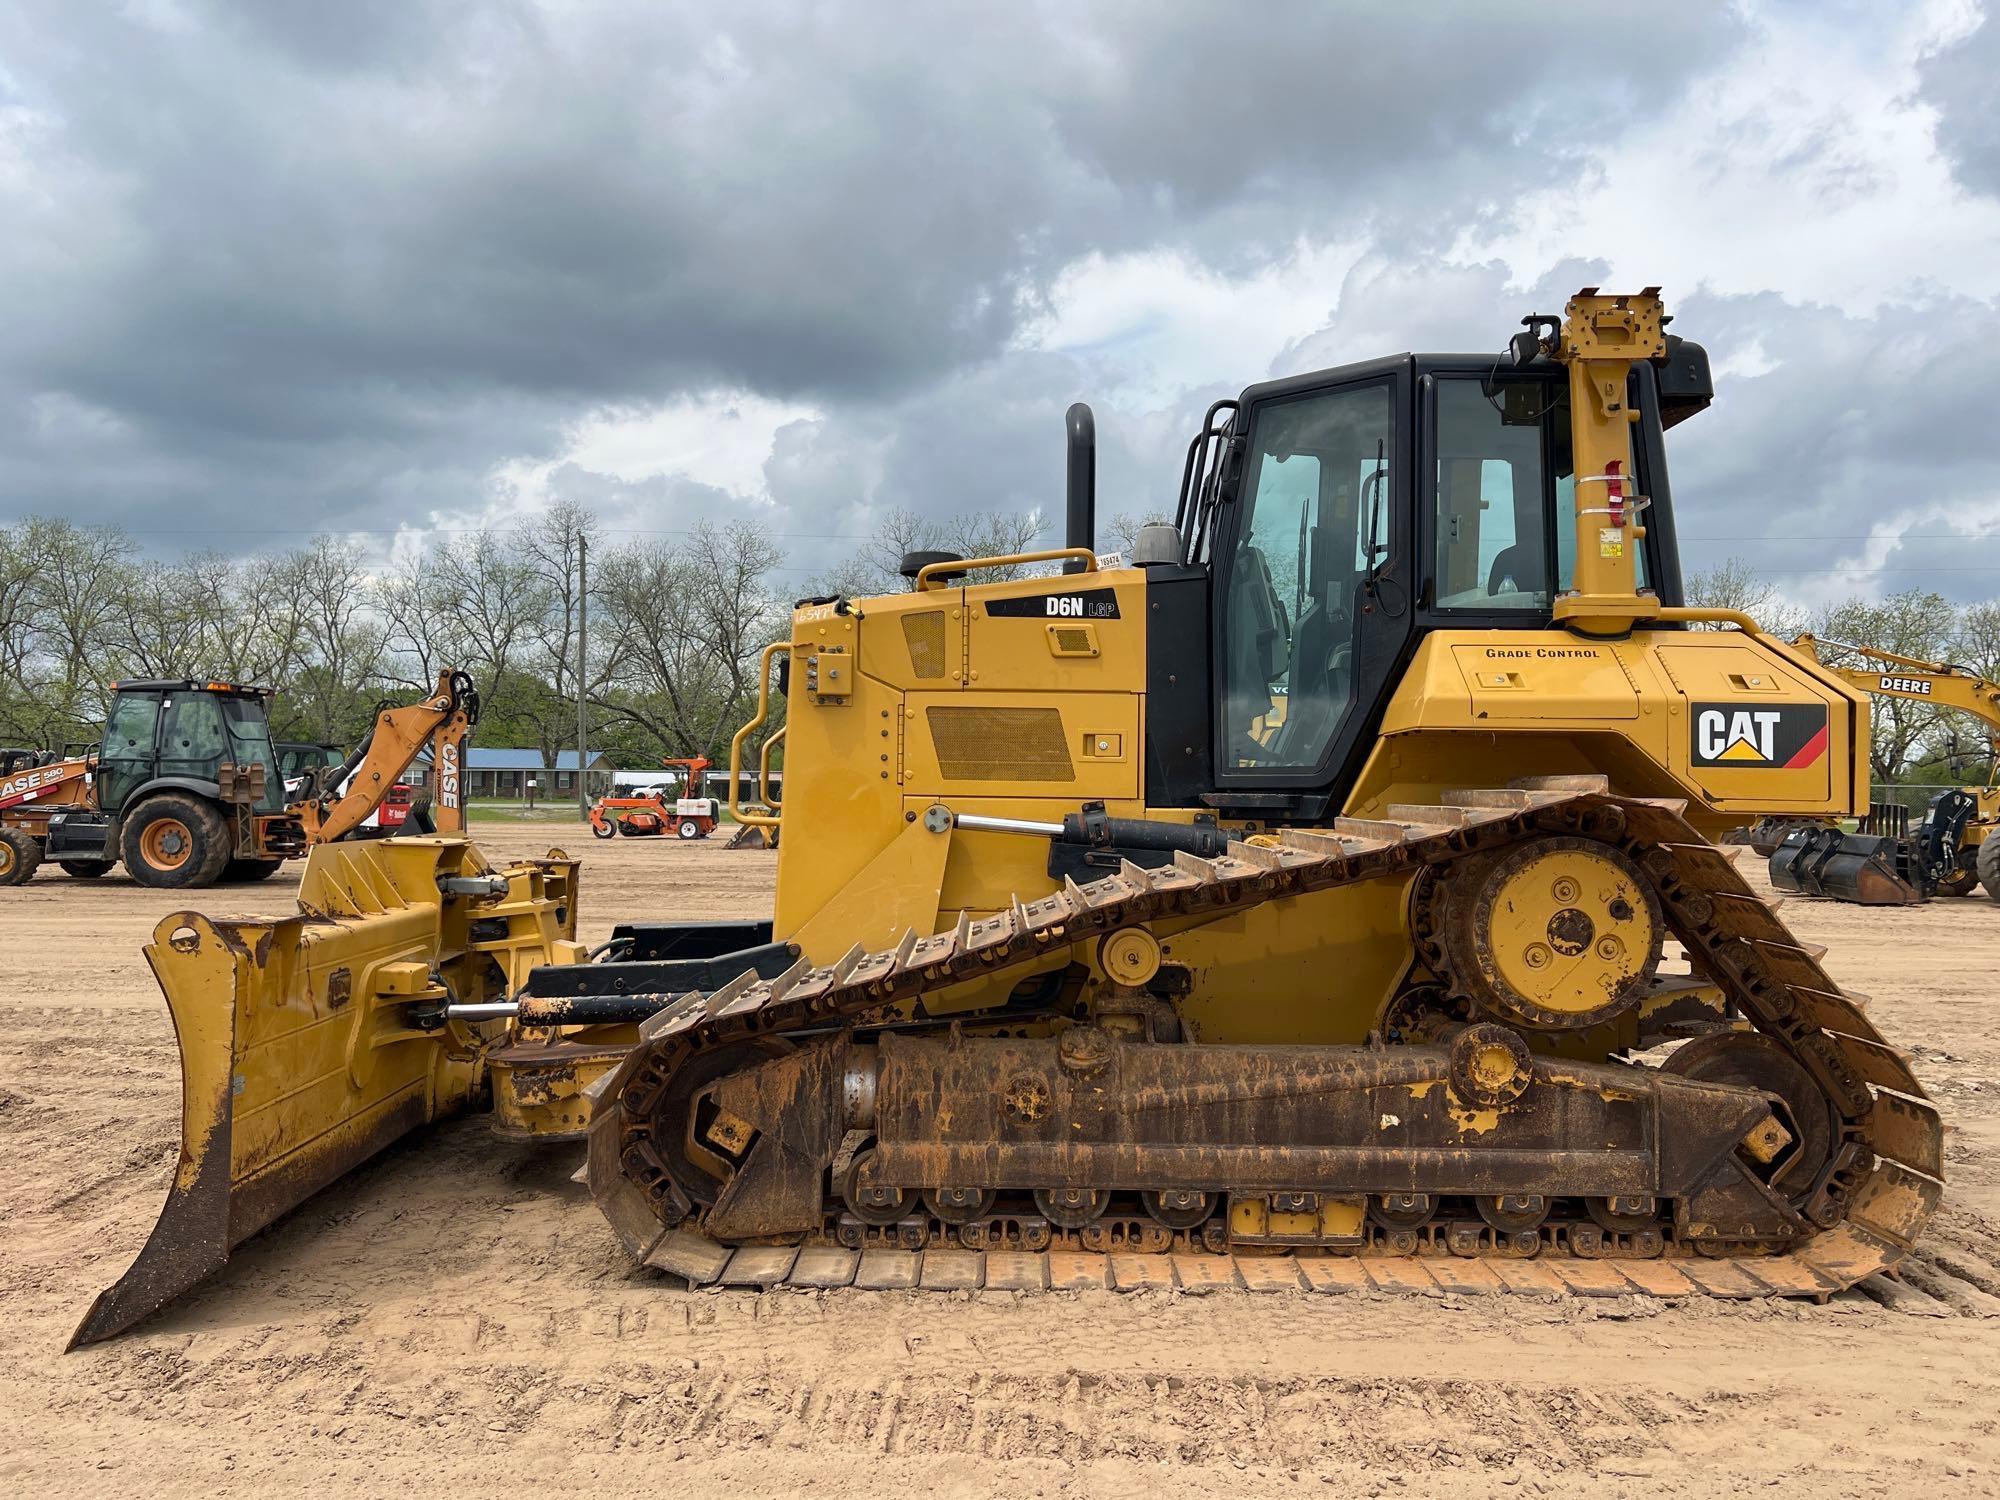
401 268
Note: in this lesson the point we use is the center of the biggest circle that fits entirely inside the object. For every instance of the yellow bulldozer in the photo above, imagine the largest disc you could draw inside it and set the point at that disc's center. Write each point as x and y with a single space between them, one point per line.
1325 897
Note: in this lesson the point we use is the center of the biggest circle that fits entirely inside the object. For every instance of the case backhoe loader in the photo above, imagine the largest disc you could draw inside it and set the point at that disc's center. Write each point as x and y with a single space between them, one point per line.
33 783
186 786
1295 905
1951 852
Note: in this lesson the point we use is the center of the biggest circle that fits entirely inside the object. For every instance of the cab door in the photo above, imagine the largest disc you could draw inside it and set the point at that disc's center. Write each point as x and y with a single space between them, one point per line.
1311 568
130 750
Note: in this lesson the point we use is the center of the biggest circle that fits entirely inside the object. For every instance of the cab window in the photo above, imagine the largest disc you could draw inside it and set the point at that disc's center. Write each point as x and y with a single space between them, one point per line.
1506 488
1316 512
128 734
194 734
1491 497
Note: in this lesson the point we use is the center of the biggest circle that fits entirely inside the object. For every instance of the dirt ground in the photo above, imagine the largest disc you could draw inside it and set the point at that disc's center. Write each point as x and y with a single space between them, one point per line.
456 1314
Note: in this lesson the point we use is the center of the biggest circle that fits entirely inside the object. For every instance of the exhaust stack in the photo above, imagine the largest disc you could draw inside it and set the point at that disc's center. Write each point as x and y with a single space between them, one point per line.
1082 489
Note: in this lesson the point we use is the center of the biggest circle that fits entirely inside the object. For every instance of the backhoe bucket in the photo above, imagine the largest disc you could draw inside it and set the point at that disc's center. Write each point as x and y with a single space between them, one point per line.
309 1043
1863 868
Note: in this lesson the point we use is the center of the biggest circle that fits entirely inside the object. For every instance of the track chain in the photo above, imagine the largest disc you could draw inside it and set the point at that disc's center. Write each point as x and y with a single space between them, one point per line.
1886 1183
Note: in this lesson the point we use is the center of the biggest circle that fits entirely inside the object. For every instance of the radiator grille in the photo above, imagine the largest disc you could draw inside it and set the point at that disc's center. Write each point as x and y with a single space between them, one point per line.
1000 744
924 633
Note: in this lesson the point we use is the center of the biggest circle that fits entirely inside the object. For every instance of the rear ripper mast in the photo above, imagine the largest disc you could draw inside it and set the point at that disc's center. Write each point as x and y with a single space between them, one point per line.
782 1123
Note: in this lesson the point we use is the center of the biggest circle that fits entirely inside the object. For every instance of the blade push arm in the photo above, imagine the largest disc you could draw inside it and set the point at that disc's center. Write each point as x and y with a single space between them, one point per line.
443 721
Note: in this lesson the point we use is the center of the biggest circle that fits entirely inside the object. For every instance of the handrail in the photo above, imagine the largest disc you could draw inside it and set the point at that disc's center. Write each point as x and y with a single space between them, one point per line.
771 742
1012 560
763 714
1717 616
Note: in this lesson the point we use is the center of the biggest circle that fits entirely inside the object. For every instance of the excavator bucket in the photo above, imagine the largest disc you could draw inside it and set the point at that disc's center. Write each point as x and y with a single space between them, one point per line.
309 1043
1867 869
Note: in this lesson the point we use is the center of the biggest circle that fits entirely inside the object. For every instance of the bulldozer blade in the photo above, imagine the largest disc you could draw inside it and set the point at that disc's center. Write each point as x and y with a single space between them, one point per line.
310 1043
1866 869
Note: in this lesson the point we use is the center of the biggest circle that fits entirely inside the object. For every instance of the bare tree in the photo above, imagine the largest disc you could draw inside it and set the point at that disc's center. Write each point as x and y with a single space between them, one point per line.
1976 642
492 604
1917 623
77 572
551 550
1736 585
419 640
682 628
876 566
19 720
322 592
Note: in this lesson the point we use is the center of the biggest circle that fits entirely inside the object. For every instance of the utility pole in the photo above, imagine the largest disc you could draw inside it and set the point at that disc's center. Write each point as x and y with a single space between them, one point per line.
582 679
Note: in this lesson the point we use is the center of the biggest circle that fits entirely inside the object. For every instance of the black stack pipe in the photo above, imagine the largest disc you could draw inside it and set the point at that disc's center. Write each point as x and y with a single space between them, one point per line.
1082 483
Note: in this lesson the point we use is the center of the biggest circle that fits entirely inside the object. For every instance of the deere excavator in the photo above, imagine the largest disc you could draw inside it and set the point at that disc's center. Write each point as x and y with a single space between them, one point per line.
1951 852
186 788
1324 899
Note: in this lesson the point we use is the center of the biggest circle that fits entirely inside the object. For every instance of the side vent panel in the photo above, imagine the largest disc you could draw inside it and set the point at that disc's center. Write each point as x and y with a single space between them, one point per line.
1000 744
924 634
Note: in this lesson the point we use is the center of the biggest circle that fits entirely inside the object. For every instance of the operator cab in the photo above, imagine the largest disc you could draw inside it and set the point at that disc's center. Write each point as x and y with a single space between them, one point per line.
1329 521
182 732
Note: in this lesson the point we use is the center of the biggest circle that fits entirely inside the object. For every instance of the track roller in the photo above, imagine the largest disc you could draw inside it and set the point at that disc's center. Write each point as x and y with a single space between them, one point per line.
871 1202
1179 1208
1072 1207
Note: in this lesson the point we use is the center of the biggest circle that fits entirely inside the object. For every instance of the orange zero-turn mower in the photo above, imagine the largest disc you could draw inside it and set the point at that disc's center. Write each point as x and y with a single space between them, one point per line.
690 816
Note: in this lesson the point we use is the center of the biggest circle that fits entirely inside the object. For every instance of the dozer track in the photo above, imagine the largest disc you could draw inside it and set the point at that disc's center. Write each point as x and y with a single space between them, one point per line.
775 1078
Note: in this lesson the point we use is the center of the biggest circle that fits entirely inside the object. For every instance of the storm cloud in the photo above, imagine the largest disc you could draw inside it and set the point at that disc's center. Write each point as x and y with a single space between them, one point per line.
290 266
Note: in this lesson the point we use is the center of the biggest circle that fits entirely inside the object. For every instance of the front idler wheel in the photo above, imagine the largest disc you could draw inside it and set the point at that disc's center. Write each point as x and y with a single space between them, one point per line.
1072 1207
1749 1060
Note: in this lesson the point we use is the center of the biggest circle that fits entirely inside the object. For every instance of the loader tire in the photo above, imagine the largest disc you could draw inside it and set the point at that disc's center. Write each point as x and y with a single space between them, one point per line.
1987 862
86 869
1962 881
175 842
247 870
20 855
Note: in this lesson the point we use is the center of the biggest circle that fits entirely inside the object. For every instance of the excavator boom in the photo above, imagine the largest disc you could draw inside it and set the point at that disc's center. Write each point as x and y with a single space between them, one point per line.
355 789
